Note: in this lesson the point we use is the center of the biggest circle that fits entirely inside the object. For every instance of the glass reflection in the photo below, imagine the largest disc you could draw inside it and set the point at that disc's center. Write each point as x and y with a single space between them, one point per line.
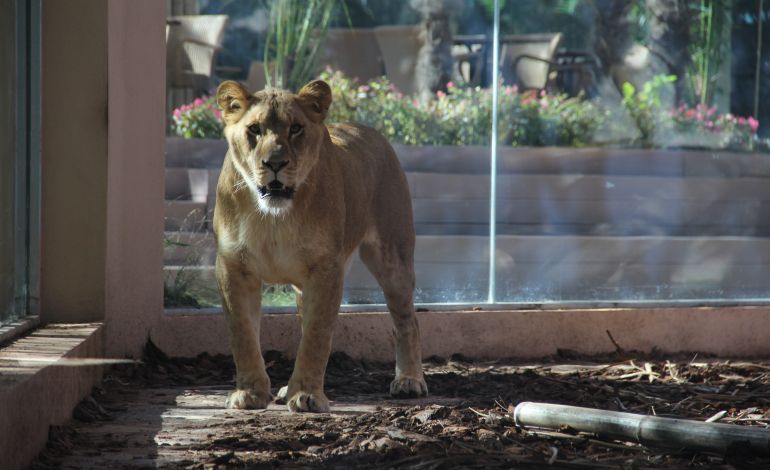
639 174
630 139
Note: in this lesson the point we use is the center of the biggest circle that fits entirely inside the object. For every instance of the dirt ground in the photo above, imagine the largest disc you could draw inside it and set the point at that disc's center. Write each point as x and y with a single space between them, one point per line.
169 413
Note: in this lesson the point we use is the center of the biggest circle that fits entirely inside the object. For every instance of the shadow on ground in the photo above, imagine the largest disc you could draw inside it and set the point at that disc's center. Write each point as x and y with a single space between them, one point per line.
169 413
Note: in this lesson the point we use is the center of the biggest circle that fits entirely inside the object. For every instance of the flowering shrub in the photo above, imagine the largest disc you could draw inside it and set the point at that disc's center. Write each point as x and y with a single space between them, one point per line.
463 116
700 126
702 122
200 119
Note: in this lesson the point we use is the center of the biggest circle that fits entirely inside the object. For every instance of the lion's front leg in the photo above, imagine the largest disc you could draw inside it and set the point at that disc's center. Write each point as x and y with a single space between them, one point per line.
241 298
320 303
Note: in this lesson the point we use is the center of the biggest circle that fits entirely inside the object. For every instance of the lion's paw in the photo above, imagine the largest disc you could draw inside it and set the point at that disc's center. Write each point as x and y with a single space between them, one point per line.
247 399
304 401
408 387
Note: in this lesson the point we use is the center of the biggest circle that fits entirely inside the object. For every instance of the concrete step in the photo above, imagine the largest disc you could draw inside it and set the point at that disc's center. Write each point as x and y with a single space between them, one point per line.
566 268
196 184
619 205
195 153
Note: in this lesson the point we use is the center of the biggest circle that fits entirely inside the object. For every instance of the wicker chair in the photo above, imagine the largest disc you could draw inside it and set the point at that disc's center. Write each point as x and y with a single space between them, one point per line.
192 45
527 59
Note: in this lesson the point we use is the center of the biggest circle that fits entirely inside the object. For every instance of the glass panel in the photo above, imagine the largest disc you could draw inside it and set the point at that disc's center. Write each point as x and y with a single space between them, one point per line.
19 183
7 162
415 71
632 163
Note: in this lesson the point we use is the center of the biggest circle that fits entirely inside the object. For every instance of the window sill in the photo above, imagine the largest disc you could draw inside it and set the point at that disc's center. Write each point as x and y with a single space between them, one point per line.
40 384
17 328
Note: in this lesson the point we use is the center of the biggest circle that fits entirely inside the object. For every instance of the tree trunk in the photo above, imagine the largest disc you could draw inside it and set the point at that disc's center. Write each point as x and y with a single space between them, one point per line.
612 33
670 25
434 62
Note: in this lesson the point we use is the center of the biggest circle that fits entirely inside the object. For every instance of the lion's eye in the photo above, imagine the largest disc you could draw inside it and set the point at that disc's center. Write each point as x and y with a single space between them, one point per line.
254 129
295 129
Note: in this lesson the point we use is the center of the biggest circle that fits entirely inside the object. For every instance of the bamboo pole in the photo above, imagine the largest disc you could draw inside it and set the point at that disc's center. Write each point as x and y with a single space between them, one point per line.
648 430
758 68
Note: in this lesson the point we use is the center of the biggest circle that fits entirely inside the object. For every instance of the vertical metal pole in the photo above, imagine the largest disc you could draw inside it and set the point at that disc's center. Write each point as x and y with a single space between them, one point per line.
493 157
21 165
34 93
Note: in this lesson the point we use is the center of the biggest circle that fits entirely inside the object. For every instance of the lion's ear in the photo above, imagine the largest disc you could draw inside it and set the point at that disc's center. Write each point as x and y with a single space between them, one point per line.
316 97
232 99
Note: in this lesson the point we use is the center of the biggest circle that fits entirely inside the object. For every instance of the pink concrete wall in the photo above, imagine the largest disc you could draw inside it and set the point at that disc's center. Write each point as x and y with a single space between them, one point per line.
74 160
734 331
34 396
136 144
103 166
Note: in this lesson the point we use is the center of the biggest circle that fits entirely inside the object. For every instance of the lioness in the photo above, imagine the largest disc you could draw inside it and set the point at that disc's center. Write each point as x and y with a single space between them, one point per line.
295 198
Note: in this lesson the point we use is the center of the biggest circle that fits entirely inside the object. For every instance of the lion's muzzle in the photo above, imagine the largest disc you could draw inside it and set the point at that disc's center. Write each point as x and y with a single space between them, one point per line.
275 188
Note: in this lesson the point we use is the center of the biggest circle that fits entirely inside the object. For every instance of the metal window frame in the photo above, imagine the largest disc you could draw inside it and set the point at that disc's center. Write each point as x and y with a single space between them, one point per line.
27 75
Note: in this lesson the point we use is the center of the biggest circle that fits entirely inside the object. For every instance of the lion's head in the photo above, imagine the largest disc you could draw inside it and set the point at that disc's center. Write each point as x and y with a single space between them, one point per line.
274 138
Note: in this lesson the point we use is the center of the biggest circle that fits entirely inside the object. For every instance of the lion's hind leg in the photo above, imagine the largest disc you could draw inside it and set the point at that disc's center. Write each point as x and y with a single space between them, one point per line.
392 266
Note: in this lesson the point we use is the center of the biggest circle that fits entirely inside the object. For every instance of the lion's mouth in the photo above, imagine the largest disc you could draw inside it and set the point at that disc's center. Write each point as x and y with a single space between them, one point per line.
276 189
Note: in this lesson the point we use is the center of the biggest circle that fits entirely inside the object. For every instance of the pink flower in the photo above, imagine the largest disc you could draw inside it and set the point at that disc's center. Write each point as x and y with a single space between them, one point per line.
753 124
217 113
364 88
440 94
510 90
450 84
177 113
198 102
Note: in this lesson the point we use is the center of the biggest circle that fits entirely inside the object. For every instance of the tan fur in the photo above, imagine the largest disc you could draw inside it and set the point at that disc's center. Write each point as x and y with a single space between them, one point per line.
349 192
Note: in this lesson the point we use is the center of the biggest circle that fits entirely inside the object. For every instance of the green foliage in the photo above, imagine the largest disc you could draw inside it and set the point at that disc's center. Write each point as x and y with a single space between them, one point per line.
182 287
704 124
278 295
200 119
644 106
297 29
464 115
709 48
700 126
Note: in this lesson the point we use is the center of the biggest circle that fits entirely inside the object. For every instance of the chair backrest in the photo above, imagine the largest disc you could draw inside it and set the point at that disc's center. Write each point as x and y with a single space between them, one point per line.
517 63
204 28
354 52
191 45
400 47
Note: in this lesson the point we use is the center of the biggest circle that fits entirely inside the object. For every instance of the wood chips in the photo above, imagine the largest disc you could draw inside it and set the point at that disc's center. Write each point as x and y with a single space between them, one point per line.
169 413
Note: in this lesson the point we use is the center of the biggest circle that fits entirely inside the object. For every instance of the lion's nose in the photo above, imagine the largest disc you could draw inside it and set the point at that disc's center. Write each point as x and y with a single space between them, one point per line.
275 165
